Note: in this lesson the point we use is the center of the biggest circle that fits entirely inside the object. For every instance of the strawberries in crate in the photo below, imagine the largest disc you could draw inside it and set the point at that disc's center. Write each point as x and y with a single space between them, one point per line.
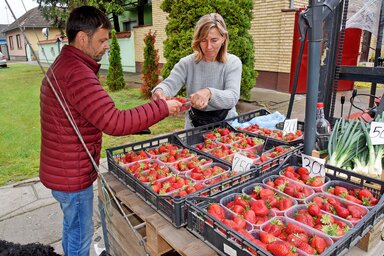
223 151
249 143
138 167
289 187
273 199
207 145
205 173
301 174
176 155
190 188
156 172
275 134
340 207
231 138
254 211
191 163
314 217
361 196
131 157
297 235
169 185
162 149
217 133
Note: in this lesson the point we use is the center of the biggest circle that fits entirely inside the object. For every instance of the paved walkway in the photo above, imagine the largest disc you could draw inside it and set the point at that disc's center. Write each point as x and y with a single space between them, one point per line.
28 212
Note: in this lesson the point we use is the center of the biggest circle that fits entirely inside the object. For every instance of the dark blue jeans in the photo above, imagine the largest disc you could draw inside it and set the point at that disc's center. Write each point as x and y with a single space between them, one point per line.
77 208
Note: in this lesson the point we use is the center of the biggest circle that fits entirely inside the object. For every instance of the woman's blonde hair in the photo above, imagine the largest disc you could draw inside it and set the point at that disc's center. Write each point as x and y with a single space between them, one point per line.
203 26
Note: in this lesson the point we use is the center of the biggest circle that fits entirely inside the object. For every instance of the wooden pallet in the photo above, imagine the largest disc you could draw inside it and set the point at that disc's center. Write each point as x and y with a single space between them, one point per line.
158 234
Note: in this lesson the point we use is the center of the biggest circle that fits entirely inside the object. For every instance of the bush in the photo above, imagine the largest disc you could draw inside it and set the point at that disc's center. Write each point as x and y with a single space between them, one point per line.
115 77
183 15
151 68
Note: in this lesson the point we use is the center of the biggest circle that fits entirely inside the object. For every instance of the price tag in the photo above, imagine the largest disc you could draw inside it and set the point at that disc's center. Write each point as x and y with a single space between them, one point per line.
290 125
241 163
377 133
315 166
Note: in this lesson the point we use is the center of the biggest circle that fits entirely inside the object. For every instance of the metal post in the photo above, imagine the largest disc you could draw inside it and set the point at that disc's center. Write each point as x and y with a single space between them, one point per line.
315 35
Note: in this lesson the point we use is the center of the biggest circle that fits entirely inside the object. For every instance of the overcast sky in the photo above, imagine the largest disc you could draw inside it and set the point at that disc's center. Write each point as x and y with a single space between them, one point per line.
17 8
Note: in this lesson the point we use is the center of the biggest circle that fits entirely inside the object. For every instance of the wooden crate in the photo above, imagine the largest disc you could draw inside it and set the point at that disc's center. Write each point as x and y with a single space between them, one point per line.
372 238
159 235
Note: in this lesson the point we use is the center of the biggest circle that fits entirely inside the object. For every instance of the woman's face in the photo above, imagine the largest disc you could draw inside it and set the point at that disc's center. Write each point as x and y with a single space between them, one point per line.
211 44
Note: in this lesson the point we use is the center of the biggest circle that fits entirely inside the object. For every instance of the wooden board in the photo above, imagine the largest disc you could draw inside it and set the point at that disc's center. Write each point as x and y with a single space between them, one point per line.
372 238
159 234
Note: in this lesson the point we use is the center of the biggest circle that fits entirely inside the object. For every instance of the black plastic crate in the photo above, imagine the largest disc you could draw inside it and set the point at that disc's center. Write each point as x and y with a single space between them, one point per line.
212 233
269 140
171 207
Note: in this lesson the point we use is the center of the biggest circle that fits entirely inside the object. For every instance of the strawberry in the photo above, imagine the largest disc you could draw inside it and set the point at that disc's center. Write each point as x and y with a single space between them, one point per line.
307 248
271 202
340 191
314 209
319 244
364 193
356 211
217 209
242 200
250 216
315 181
266 238
318 200
293 228
341 211
353 199
266 192
240 222
284 204
260 208
279 248
302 171
294 239
274 227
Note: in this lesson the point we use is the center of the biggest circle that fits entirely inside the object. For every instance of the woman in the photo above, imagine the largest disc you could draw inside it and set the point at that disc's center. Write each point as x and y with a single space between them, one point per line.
212 75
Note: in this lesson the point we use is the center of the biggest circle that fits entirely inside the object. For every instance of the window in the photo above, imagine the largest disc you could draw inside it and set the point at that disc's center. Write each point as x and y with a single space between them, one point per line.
10 39
18 40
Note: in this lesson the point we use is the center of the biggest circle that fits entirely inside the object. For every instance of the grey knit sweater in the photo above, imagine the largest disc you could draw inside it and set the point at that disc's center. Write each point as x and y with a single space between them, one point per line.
223 79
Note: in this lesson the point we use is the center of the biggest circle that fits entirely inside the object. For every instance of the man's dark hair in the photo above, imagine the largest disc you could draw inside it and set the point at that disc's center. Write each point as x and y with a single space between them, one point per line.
87 19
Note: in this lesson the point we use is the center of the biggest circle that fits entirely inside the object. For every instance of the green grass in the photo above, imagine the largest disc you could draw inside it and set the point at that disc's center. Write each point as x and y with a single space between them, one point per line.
20 122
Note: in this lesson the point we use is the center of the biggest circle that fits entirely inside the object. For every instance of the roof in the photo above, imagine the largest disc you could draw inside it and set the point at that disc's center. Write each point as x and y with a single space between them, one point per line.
31 19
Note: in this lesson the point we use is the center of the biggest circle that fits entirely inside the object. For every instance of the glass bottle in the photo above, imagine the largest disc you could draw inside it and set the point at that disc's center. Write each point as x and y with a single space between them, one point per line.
323 128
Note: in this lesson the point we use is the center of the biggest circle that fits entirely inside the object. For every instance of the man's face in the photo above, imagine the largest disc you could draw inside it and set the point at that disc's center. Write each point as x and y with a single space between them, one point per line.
97 44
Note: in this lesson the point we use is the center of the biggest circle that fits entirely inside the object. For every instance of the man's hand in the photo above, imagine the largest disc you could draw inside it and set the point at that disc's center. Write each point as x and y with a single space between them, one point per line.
200 98
173 106
158 95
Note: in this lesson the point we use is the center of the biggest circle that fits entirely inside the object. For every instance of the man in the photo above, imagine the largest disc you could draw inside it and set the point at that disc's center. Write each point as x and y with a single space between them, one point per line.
65 167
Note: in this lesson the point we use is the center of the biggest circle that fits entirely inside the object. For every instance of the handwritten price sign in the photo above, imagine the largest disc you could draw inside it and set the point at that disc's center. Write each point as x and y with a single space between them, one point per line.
377 133
241 163
315 166
290 126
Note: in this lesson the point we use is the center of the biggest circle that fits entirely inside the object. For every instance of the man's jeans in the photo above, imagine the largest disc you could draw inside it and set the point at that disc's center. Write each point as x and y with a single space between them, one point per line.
77 208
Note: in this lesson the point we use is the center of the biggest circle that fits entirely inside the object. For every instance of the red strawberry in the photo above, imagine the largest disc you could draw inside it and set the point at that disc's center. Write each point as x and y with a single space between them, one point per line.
364 193
260 208
294 239
274 227
250 216
293 228
279 248
315 181
353 199
307 248
341 211
266 192
319 244
266 238
314 209
356 211
285 203
340 191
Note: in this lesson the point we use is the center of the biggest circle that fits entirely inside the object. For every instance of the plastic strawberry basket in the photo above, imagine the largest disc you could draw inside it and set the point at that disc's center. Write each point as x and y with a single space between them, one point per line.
224 244
271 141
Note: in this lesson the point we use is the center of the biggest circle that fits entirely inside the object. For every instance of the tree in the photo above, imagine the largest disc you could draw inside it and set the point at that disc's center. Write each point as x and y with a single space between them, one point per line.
183 15
58 10
115 77
151 68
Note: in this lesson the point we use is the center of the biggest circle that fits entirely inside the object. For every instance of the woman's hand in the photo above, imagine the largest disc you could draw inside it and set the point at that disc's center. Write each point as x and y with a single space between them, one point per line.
158 95
173 107
201 98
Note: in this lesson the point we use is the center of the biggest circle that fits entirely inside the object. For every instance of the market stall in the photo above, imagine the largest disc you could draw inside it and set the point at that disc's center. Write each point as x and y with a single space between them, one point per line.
168 186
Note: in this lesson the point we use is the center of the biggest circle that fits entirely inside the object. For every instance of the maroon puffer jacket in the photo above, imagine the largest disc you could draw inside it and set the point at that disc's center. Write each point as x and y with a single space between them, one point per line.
64 164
